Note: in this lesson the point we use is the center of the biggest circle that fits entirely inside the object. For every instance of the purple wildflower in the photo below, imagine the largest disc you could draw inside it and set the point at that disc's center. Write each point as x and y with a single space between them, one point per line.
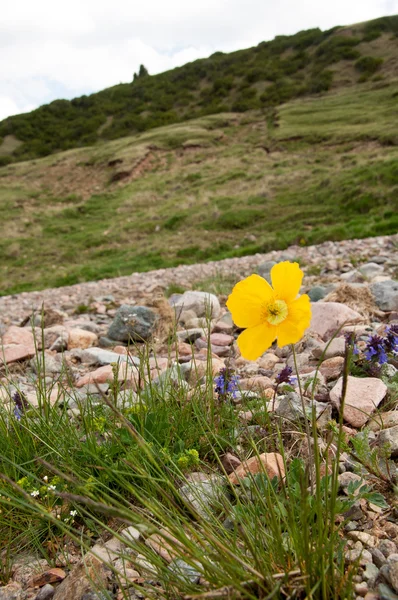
350 342
285 376
375 349
391 339
226 383
20 405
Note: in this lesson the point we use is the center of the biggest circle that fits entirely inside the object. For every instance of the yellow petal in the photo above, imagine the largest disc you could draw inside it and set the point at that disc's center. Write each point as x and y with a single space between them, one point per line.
286 280
298 320
246 301
253 342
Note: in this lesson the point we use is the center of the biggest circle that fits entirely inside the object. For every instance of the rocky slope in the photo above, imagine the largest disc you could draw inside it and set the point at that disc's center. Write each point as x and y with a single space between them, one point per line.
353 285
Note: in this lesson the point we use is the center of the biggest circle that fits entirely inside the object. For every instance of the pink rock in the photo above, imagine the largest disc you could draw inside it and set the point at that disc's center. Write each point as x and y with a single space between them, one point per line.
221 350
18 335
120 350
327 317
270 462
230 462
126 375
221 339
268 361
363 396
222 327
14 352
332 368
80 338
259 383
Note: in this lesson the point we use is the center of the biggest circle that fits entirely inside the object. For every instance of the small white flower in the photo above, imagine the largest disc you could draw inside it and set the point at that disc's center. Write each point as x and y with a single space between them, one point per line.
35 493
52 488
45 478
73 513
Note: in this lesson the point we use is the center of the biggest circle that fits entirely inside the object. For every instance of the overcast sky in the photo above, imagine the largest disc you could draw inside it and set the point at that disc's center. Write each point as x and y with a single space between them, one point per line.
52 49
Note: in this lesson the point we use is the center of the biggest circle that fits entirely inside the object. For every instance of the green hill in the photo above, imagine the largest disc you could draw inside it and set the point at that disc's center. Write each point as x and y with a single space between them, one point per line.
261 78
222 185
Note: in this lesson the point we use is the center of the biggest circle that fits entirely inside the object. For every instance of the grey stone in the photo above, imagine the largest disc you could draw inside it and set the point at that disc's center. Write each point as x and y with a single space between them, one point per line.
190 335
346 478
353 276
370 574
387 547
385 294
132 323
316 293
200 302
394 575
386 592
385 572
370 269
350 526
12 591
51 365
46 592
290 406
99 356
264 269
203 495
183 570
131 534
378 557
390 437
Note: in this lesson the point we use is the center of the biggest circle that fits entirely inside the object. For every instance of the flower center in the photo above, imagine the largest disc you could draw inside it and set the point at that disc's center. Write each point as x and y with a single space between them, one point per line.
276 312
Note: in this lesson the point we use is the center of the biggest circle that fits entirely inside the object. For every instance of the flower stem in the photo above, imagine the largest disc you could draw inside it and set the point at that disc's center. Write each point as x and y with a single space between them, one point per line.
307 426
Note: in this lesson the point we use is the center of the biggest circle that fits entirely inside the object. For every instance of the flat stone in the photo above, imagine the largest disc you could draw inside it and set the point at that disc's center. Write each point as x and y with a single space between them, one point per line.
11 353
365 538
268 462
18 335
221 339
100 356
327 317
363 396
105 374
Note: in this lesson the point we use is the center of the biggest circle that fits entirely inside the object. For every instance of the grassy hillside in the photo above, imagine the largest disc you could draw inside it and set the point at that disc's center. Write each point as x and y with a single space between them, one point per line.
260 78
222 185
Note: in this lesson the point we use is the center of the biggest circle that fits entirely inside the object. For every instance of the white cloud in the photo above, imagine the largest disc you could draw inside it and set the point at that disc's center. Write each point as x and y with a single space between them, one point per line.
51 49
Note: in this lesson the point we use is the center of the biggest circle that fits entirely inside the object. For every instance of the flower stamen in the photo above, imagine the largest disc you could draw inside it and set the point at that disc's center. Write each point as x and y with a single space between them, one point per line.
276 312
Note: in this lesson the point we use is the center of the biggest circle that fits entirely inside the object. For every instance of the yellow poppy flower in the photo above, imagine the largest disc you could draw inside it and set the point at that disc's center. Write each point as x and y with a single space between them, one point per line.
270 313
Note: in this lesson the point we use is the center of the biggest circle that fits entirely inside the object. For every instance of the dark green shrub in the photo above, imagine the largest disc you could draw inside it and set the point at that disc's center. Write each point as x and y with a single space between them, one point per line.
236 219
174 221
5 160
368 65
320 82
